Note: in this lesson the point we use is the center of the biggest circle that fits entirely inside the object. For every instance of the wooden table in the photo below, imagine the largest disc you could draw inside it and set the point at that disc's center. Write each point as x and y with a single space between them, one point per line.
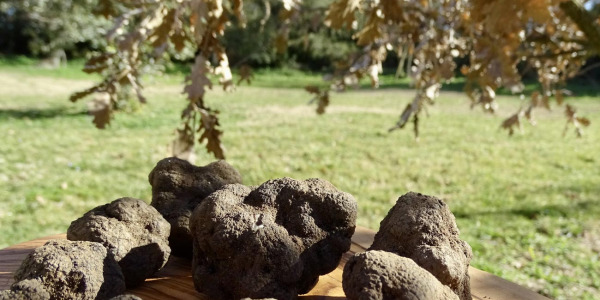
175 280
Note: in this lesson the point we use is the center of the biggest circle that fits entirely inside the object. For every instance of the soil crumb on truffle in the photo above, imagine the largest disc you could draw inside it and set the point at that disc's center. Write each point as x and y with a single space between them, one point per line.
178 187
133 231
271 241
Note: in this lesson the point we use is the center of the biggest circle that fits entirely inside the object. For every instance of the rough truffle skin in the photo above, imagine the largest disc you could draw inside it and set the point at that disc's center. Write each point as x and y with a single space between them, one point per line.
423 229
26 290
178 187
73 270
385 275
133 231
271 241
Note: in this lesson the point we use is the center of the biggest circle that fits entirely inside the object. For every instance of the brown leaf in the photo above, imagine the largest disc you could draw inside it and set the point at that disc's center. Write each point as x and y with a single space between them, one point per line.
512 122
559 97
535 99
289 8
373 73
161 33
105 8
178 39
82 94
184 143
100 108
323 102
464 70
312 89
245 74
584 121
98 63
369 34
238 9
211 133
411 110
570 112
546 101
224 72
197 81
529 115
341 14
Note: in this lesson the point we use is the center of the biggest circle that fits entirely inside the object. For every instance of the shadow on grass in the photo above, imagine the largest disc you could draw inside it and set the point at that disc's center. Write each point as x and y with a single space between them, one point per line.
579 87
36 113
532 213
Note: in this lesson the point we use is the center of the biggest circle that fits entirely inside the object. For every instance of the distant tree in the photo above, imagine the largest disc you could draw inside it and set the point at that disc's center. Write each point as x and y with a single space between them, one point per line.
41 27
554 37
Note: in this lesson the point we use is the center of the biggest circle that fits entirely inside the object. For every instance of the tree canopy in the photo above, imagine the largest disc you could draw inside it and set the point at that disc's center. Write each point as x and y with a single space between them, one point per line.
39 27
492 38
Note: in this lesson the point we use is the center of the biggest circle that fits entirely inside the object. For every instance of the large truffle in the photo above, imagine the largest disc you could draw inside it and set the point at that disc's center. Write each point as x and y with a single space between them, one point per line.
133 231
26 290
423 229
178 187
272 241
73 270
385 275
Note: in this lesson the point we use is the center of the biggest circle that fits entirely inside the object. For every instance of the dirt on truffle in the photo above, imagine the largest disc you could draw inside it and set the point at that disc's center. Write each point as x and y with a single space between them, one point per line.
26 290
423 229
73 270
271 241
178 187
133 231
385 275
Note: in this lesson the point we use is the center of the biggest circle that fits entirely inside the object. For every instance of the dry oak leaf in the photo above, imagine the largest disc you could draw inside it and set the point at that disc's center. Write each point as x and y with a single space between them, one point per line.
197 81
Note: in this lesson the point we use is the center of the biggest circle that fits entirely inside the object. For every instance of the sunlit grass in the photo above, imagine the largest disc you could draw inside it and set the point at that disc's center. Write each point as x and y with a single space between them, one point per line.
527 204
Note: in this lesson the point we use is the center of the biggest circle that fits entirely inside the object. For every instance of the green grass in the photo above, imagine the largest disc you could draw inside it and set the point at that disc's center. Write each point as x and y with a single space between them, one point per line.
527 204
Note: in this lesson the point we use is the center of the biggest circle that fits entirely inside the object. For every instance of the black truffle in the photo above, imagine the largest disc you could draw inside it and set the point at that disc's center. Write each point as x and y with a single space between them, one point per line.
272 241
385 275
26 290
178 187
73 270
133 231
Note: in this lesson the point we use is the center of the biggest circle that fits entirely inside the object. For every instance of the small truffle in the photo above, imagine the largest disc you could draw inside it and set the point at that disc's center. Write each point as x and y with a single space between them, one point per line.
26 290
271 241
133 231
423 229
178 187
385 275
73 270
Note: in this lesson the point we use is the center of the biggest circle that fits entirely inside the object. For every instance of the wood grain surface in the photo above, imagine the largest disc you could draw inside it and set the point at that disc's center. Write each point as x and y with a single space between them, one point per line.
175 280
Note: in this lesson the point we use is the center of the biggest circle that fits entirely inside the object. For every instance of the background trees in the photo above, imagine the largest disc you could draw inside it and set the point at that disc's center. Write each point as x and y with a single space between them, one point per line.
39 27
487 42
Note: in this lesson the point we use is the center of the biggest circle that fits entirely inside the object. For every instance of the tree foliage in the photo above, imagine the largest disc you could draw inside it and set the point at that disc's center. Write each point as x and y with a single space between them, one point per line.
554 37
39 27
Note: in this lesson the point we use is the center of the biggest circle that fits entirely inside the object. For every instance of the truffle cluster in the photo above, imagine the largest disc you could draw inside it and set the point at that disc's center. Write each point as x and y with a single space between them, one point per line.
271 241
419 228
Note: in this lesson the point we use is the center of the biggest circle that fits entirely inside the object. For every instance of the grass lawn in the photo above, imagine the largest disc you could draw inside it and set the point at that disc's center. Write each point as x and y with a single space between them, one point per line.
527 204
